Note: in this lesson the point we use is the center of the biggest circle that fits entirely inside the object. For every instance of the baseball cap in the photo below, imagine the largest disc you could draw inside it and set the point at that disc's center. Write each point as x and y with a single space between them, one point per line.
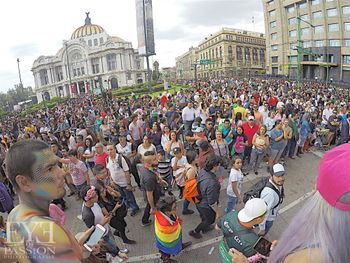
254 208
278 170
198 129
251 117
333 181
176 150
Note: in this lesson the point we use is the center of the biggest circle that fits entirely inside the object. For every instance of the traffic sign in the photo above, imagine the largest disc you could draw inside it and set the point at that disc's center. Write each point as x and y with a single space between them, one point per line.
205 62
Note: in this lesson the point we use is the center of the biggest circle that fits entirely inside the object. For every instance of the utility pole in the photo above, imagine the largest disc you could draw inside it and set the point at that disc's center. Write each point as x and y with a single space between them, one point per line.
149 75
195 64
299 49
68 67
19 73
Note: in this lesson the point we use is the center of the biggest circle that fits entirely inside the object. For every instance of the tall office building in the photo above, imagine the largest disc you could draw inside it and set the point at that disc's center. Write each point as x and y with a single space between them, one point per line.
324 48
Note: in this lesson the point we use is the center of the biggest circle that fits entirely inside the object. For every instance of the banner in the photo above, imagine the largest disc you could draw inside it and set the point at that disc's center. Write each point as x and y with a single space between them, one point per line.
144 18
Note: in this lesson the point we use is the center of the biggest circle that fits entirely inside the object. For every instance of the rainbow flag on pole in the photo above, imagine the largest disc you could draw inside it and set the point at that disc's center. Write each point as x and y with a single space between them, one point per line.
168 234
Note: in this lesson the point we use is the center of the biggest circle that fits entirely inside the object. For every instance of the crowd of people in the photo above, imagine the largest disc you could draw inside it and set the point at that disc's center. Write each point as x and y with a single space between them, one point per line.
109 148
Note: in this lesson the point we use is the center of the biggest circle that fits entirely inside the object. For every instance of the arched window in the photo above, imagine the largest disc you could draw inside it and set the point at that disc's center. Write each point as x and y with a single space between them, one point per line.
220 50
229 52
111 61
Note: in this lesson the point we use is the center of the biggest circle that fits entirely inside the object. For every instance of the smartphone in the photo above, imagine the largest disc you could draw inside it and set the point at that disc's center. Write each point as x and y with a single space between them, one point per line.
263 246
95 237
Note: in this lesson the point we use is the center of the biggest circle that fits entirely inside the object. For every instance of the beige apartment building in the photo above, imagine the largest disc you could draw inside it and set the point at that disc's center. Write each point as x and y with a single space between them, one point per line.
229 52
324 33
185 64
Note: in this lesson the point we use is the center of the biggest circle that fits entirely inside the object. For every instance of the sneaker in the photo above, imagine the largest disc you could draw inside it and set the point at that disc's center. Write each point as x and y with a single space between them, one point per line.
147 223
186 244
210 228
129 241
188 212
124 250
134 212
194 234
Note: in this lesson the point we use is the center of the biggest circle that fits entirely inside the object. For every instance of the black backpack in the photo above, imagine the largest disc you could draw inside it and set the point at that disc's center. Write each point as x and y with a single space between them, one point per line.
127 160
256 189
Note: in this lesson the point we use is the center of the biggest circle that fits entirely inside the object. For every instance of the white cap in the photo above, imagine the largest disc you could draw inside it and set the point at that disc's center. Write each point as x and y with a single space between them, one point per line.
278 170
199 129
254 208
280 104
251 117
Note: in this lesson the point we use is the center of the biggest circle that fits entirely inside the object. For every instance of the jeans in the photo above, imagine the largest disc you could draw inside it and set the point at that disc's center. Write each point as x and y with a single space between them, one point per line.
207 215
256 159
129 198
188 125
185 205
247 153
110 243
79 187
290 148
268 226
232 201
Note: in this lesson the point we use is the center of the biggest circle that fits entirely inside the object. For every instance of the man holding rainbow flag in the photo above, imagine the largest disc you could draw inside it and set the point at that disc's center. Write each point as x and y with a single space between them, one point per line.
168 231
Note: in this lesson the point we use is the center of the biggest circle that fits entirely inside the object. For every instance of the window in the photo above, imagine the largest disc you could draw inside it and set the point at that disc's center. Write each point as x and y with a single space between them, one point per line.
346 10
239 53
319 43
347 42
334 42
44 79
303 5
293 59
271 2
273 36
293 46
292 33
332 12
315 2
347 26
346 59
58 73
291 9
111 61
305 17
317 15
329 0
318 58
90 43
95 65
274 47
273 24
82 71
247 54
319 29
128 75
95 42
333 27
274 59
101 40
305 31
292 21
306 44
272 13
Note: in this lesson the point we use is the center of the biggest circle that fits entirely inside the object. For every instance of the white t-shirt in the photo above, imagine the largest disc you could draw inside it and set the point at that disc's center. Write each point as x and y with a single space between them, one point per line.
180 180
87 151
188 114
126 150
235 176
118 173
141 150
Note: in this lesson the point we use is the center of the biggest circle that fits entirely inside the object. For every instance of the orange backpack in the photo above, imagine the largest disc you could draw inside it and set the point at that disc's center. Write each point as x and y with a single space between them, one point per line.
191 191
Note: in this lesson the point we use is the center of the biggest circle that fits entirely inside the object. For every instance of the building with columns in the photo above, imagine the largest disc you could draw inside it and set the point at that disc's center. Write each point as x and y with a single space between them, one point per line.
185 64
227 53
89 62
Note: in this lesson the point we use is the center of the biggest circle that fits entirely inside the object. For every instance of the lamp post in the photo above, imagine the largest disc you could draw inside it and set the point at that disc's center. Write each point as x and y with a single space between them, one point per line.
300 48
68 66
19 73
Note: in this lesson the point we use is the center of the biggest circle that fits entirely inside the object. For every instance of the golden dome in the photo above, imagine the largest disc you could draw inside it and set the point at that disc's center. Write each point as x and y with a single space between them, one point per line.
87 30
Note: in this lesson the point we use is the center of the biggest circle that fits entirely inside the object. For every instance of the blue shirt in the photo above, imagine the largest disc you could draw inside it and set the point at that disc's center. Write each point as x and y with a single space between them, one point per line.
276 145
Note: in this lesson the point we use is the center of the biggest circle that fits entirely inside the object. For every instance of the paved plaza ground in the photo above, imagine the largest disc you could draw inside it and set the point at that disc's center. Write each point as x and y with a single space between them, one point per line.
300 182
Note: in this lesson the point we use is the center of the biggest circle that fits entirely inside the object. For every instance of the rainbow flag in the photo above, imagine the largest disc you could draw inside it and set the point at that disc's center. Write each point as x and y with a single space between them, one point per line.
168 234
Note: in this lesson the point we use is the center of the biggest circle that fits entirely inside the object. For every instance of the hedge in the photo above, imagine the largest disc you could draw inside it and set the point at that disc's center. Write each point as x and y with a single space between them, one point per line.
42 105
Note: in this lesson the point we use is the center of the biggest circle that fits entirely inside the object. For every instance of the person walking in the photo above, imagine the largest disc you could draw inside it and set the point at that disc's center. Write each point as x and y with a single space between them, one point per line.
261 143
235 182
209 189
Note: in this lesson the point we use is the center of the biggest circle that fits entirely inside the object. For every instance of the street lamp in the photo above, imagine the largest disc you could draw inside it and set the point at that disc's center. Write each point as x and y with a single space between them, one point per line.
68 66
300 48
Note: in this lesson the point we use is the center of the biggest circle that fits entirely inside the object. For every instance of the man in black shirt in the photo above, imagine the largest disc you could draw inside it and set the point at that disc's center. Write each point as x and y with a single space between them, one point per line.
151 185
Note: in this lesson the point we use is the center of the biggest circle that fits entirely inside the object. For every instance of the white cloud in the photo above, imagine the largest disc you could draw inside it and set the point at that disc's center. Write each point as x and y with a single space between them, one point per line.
38 27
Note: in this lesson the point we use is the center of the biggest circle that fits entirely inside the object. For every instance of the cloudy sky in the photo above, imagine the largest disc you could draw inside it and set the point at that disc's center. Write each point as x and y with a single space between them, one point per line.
38 27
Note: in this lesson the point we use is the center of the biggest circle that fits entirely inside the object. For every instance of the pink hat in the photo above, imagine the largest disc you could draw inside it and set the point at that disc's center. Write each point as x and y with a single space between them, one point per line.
333 179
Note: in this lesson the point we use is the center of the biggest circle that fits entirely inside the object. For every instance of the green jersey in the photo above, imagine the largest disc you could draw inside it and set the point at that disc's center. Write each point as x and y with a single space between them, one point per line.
235 236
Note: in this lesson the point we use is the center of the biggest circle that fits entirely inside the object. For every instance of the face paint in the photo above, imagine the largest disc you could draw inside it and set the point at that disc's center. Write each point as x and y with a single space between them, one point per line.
47 177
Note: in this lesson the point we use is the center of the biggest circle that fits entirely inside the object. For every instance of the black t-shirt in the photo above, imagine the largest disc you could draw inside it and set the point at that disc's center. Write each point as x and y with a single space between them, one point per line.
150 182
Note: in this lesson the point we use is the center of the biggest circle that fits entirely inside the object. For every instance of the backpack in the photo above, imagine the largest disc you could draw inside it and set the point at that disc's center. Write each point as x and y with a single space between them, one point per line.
191 190
256 189
6 202
237 146
127 160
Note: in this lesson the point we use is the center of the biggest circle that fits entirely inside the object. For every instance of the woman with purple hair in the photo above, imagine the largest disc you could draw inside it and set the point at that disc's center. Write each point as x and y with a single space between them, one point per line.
320 231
